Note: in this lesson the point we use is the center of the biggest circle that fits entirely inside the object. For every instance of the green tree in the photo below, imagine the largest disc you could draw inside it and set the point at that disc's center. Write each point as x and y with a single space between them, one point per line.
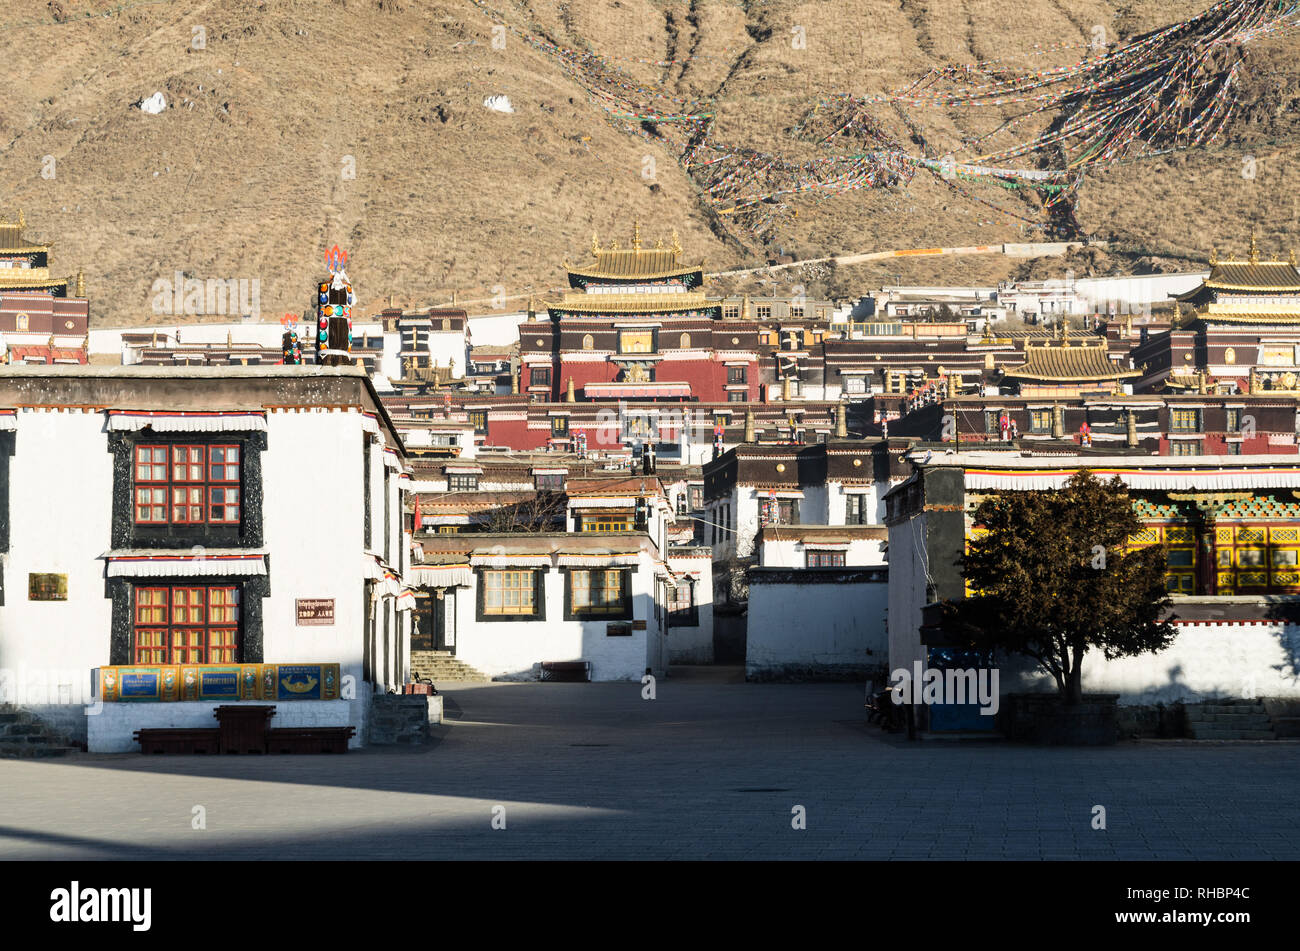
1053 579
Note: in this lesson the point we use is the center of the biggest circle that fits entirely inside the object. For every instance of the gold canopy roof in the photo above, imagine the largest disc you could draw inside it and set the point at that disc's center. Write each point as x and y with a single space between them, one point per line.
1061 360
634 262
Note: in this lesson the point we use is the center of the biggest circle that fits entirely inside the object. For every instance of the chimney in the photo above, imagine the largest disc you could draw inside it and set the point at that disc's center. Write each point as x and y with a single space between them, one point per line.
749 425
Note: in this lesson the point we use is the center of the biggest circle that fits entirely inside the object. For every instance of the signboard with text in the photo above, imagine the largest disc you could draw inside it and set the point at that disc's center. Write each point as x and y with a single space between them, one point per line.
313 611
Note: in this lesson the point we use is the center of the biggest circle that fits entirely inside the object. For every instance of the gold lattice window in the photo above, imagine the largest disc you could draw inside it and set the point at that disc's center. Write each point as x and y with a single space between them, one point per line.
508 593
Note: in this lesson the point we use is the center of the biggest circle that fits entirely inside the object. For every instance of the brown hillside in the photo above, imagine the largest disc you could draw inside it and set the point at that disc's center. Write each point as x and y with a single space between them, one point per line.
241 176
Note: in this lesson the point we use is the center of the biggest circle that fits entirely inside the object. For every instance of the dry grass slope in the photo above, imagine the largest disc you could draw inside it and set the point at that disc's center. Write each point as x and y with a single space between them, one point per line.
243 174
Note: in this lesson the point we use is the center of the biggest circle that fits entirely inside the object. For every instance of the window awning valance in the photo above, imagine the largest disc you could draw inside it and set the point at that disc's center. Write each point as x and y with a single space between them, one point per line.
599 561
188 563
440 576
8 420
637 389
186 422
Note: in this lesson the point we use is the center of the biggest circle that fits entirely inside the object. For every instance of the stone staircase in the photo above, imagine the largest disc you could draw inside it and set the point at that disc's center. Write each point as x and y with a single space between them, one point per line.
24 735
441 667
1230 720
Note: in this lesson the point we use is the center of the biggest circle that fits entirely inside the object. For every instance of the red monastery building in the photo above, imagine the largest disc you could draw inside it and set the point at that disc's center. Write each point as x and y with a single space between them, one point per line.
637 326
39 321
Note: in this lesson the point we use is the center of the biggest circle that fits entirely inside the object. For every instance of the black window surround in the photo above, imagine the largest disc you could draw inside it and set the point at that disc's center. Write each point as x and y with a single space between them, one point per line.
539 594
624 613
127 534
120 591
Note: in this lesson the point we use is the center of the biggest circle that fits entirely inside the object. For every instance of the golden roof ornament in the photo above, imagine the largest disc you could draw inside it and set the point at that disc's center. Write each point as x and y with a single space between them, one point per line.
1291 258
595 245
613 245
636 236
81 283
676 245
1214 257
1254 248
22 222
659 244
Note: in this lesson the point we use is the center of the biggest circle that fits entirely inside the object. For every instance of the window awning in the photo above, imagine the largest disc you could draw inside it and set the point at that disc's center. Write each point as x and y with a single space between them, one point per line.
636 389
463 470
826 546
186 422
8 420
440 576
189 563
599 560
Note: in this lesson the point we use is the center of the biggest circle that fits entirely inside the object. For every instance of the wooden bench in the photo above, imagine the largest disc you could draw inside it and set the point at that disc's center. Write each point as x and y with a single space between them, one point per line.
178 741
309 739
569 671
243 727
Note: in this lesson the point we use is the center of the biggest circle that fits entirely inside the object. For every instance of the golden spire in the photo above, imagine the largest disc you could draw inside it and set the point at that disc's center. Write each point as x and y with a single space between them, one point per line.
659 244
636 236
613 245
595 245
677 244
1291 257
1214 257
1254 248
81 283
22 222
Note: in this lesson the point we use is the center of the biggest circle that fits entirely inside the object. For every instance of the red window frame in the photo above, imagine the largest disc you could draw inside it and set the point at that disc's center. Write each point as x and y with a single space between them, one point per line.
825 559
186 624
187 484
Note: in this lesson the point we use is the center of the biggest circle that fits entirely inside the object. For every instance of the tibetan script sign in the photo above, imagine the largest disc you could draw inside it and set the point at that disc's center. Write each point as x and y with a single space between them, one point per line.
47 587
312 611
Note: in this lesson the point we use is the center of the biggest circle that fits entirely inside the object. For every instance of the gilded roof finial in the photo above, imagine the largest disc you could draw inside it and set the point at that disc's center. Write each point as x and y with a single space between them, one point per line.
1254 248
1178 312
595 245
659 244
22 222
613 245
1291 258
636 236
81 283
677 244
1214 257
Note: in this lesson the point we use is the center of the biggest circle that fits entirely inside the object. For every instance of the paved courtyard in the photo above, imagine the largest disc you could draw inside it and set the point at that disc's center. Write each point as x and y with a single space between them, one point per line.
706 770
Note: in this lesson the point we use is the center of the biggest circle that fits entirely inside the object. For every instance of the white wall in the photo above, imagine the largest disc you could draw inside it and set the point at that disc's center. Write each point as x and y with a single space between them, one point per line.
792 553
60 490
60 511
497 330
512 649
907 594
694 645
1204 662
110 725
800 629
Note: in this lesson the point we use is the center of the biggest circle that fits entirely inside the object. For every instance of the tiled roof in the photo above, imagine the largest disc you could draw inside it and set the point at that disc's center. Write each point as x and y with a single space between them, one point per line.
640 263
1065 361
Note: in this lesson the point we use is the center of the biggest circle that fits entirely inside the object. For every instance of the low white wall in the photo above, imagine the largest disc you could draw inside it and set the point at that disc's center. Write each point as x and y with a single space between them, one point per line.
109 725
1206 661
816 629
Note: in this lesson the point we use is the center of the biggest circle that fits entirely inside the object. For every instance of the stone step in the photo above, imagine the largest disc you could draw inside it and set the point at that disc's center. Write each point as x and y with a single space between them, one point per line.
35 752
1201 733
1288 727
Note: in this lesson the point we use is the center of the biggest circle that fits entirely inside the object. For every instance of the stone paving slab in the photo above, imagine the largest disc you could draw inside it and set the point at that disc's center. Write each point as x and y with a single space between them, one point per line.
706 770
